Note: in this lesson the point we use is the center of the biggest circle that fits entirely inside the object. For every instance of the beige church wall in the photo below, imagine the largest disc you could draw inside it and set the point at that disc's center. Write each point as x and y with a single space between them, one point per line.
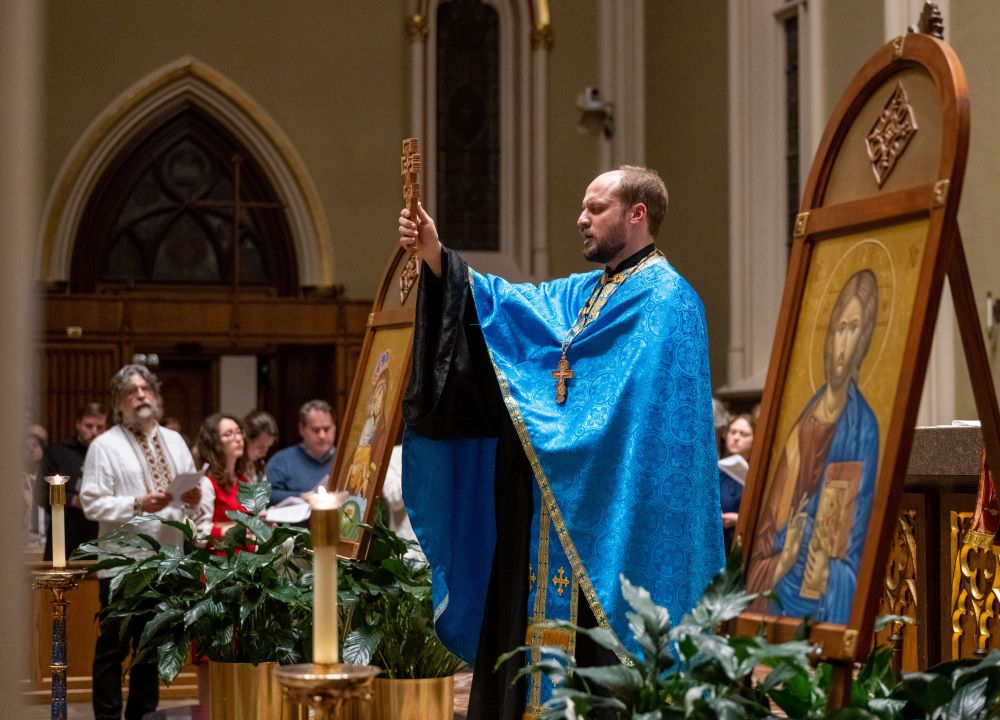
573 156
686 140
854 29
972 31
852 32
332 75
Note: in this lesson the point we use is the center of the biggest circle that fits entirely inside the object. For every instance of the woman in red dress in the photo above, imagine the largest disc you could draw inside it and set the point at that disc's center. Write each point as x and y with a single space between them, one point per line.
220 446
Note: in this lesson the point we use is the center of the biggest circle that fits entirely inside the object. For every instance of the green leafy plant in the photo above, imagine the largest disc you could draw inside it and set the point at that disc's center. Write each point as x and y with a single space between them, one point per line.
954 690
251 604
689 670
385 611
683 670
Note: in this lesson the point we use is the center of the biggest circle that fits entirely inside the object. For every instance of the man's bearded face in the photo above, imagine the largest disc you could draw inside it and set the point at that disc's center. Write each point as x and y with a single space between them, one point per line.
846 336
602 244
139 401
603 221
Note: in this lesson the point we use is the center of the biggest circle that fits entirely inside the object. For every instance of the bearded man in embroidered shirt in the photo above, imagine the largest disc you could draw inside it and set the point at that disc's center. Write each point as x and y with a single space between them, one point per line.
125 475
557 436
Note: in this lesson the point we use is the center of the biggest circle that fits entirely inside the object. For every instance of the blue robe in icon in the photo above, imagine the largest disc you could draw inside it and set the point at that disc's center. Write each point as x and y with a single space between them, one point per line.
820 584
529 510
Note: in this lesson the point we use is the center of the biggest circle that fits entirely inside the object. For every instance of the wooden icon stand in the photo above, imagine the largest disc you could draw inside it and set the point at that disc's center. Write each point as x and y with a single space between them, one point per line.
374 408
881 201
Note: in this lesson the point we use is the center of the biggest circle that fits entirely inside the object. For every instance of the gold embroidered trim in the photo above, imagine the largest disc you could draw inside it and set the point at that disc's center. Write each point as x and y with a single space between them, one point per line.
551 636
535 634
976 539
574 608
551 508
560 580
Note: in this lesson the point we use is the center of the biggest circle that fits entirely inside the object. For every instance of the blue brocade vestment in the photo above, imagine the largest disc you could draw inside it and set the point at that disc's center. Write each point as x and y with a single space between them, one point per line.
625 474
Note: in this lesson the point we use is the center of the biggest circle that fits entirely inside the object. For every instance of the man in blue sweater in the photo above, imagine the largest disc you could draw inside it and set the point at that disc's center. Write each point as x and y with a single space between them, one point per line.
298 469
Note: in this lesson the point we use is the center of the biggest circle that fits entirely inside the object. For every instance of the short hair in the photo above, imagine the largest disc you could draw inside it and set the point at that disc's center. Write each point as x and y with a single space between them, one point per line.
862 285
210 449
120 380
318 406
260 423
643 185
91 409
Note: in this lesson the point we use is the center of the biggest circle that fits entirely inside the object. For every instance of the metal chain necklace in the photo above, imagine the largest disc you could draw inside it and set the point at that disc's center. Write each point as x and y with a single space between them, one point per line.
604 289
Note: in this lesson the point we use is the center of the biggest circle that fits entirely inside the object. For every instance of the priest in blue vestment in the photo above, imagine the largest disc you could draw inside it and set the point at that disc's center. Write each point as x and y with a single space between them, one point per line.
558 437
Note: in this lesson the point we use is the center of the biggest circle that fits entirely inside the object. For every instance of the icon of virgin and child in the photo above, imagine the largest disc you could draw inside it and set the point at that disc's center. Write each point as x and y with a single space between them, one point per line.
810 536
371 443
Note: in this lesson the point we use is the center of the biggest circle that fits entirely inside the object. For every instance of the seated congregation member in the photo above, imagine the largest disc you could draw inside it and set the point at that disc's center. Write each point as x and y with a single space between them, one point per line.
220 446
738 440
262 432
298 469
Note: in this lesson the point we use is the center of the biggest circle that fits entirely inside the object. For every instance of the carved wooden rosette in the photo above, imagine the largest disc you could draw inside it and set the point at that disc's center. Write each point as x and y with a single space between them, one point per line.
890 134
975 592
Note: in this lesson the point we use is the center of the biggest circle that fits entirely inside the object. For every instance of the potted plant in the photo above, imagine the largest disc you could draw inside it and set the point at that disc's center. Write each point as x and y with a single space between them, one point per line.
244 609
689 670
386 620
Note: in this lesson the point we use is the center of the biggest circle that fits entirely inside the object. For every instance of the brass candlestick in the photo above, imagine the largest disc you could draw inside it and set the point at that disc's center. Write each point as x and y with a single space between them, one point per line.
327 688
58 581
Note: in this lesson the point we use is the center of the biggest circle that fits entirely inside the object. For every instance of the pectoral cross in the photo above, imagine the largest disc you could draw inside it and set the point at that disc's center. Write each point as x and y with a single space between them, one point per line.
561 374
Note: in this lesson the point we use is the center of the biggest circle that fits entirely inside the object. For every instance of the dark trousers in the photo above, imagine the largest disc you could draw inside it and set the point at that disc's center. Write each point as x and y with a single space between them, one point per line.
109 655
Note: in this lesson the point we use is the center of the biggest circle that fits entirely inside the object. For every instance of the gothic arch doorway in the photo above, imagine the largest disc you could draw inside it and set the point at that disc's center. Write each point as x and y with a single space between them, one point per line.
142 255
186 83
184 203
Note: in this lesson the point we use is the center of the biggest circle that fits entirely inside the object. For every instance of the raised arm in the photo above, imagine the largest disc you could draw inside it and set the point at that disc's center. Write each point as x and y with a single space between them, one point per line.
420 236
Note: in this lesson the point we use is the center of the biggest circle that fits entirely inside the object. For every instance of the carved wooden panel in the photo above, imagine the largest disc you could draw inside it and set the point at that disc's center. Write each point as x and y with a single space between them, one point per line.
975 593
71 375
900 594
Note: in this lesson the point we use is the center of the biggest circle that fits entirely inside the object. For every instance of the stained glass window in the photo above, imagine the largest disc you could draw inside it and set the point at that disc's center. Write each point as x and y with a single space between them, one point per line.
468 125
164 214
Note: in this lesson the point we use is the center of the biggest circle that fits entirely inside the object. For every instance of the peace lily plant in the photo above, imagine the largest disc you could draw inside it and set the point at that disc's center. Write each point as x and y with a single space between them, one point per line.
687 669
252 603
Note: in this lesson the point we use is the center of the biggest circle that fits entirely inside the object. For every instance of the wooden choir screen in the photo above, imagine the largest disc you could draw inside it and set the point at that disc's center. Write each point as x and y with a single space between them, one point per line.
72 375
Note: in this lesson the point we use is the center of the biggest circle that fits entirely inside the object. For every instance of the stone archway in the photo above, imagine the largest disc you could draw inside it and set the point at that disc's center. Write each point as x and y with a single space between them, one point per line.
185 80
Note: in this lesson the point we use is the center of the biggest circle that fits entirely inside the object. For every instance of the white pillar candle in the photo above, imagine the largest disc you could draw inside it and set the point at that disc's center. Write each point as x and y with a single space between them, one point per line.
57 499
324 525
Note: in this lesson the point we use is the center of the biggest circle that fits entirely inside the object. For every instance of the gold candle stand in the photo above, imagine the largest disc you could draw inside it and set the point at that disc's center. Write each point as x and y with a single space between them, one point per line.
327 688
57 581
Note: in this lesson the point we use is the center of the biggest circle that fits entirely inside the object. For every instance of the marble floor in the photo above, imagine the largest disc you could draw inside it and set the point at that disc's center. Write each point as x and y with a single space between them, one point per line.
169 710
